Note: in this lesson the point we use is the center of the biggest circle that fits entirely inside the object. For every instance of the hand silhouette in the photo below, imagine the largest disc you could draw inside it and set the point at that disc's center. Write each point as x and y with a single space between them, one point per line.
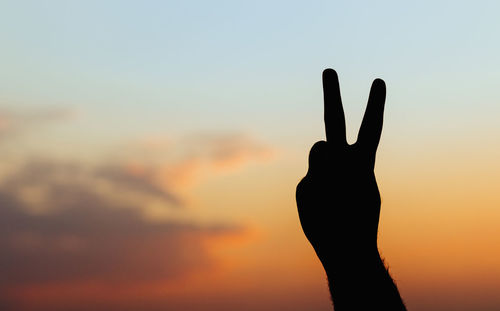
338 203
338 200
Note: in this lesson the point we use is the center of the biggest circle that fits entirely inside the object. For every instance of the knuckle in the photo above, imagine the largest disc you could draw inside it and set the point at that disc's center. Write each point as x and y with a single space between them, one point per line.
318 153
319 146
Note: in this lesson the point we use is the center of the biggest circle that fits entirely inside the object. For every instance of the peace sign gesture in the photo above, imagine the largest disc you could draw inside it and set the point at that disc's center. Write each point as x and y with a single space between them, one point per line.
371 127
339 202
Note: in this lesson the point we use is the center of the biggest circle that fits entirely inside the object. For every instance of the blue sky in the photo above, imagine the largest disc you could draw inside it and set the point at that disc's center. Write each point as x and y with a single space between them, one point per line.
181 65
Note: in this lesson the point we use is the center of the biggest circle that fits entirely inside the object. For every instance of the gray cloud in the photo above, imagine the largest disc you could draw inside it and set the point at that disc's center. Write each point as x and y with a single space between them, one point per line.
44 185
70 222
80 233
139 182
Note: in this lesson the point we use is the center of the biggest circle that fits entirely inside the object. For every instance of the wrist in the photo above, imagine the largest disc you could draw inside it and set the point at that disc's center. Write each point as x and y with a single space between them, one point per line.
350 262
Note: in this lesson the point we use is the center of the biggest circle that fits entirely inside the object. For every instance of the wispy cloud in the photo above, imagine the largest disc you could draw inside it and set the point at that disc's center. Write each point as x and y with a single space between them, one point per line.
186 161
45 185
14 121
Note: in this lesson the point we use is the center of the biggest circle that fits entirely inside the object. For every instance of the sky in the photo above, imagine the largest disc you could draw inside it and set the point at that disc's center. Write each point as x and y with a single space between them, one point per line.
150 150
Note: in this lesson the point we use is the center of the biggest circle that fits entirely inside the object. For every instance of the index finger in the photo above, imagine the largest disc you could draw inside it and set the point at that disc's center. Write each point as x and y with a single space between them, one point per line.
334 113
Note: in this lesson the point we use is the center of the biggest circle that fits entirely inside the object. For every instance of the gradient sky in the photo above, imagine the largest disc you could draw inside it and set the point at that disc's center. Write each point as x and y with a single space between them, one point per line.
151 149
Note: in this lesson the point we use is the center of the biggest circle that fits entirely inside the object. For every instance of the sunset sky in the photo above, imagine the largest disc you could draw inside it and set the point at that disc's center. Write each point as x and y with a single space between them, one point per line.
150 150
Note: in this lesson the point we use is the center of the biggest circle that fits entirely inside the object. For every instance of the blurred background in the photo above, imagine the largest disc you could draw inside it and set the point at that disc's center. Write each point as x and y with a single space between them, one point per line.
149 150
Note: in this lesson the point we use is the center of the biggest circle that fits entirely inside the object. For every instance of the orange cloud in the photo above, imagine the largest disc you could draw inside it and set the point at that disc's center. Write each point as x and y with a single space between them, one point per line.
85 240
91 234
175 165
179 164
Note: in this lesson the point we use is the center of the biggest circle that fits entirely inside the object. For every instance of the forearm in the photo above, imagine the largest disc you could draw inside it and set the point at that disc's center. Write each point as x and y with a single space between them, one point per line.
362 284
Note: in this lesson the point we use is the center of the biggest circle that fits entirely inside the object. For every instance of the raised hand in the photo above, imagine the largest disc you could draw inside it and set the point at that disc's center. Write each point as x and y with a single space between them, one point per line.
339 202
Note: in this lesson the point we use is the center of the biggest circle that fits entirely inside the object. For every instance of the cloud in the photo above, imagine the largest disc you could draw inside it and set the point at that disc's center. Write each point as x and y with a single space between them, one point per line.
15 121
58 223
178 164
44 185
134 178
94 241
152 177
120 221
231 150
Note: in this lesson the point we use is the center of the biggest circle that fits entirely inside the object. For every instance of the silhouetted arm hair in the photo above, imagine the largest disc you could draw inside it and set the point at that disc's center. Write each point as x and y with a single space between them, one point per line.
363 285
